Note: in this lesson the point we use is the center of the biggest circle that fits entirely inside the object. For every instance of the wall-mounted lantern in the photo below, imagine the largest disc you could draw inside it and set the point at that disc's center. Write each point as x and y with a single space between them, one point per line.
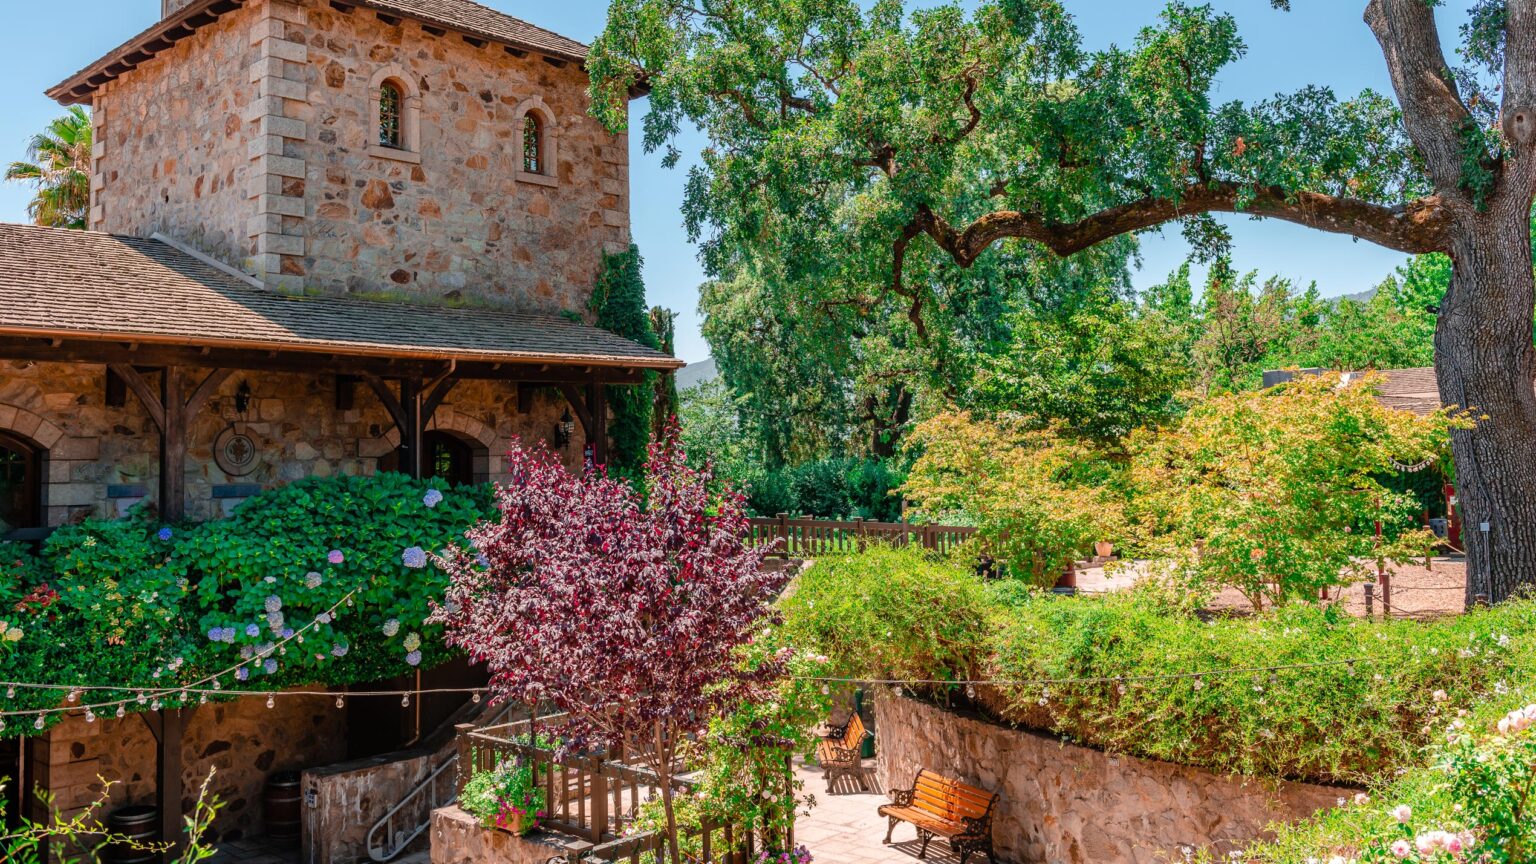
243 399
565 430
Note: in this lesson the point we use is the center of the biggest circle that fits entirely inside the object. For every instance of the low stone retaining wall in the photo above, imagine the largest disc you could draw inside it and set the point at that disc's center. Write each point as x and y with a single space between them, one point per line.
458 839
343 801
1063 804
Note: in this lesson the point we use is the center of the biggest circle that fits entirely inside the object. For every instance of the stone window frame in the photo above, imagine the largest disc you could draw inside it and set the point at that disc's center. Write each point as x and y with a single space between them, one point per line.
410 115
549 142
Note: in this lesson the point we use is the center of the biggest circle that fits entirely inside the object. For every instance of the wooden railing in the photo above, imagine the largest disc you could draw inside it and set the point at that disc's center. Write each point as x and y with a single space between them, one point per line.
810 538
596 797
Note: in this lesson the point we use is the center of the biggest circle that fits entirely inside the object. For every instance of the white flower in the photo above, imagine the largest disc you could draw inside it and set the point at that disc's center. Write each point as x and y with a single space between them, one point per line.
391 627
1402 813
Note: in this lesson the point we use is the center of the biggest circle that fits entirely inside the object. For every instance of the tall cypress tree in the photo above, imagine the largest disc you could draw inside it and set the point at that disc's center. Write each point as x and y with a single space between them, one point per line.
618 300
664 323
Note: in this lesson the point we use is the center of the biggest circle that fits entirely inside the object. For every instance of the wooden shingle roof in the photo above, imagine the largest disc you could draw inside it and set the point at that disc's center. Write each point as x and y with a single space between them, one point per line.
1413 390
460 16
77 285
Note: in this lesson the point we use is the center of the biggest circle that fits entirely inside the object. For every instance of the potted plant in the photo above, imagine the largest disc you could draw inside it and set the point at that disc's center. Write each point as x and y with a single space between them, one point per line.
1103 548
508 798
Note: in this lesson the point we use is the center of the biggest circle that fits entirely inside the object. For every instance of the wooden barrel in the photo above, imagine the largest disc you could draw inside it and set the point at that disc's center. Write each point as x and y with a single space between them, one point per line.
280 806
141 824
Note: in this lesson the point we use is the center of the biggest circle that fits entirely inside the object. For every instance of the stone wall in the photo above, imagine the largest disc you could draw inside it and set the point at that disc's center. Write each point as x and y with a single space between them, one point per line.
343 801
458 839
1064 804
244 741
102 459
171 143
456 217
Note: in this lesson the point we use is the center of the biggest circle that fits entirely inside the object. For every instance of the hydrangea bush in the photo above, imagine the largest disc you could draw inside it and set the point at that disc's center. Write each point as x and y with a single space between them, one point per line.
152 606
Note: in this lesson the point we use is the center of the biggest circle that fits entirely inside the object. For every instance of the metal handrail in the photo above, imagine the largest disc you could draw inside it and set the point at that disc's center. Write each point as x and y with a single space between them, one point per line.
393 844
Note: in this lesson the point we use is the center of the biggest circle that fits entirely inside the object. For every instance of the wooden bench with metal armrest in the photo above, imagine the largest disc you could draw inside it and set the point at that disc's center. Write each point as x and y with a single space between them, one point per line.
839 753
941 807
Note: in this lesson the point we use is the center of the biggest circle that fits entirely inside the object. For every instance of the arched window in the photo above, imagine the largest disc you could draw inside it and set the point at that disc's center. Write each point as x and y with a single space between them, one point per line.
447 456
533 144
20 485
391 116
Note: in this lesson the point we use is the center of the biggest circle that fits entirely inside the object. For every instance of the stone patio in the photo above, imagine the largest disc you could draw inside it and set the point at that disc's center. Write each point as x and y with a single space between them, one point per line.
844 827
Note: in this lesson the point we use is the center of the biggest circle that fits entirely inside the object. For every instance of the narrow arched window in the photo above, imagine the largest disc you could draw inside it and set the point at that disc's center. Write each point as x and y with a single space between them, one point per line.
20 485
533 144
391 116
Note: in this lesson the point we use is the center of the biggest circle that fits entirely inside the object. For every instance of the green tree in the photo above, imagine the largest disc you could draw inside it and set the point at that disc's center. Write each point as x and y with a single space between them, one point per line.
59 167
618 300
664 412
874 148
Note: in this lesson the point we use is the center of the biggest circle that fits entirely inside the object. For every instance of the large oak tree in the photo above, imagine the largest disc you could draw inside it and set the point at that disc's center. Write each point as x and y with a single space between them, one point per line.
857 152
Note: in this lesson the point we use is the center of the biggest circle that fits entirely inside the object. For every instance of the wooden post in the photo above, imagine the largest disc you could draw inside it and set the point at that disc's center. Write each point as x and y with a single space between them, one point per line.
858 529
1386 595
173 448
169 726
466 765
577 851
411 457
783 529
599 804
1370 600
597 405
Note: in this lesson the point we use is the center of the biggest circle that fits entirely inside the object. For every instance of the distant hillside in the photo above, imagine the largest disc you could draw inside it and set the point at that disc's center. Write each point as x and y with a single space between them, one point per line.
694 374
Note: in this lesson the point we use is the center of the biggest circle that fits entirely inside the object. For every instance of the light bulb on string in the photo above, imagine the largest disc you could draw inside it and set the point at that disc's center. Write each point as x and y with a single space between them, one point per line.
202 699
142 698
10 692
970 691
270 700
120 711
217 685
405 701
341 702
90 716
73 695
154 705
476 697
39 723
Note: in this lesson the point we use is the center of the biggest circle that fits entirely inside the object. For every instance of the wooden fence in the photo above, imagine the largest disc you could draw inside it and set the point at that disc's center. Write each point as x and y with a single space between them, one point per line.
595 797
810 538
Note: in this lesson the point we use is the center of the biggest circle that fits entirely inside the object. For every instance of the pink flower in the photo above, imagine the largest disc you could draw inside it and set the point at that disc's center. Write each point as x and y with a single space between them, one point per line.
1441 696
1402 813
336 557
1518 720
1362 799
1402 849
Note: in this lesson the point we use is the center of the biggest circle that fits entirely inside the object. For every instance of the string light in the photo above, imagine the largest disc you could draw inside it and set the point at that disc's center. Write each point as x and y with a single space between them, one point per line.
270 700
341 702
120 712
10 692
405 701
39 723
475 698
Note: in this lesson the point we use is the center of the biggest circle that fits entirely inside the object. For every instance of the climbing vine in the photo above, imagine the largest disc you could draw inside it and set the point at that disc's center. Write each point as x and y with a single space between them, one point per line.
618 300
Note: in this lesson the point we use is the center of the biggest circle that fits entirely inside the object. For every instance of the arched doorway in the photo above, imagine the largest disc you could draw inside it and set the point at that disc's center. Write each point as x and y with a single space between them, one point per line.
21 484
448 456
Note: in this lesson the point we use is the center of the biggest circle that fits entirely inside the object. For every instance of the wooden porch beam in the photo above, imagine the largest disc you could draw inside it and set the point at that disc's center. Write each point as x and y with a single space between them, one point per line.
44 350
169 726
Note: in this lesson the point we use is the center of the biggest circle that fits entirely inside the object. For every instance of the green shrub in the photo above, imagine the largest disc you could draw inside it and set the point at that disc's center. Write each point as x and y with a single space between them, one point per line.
903 615
138 602
502 797
890 613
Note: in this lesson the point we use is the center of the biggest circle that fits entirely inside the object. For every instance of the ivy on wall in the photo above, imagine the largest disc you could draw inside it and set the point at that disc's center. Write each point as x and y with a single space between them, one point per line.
618 300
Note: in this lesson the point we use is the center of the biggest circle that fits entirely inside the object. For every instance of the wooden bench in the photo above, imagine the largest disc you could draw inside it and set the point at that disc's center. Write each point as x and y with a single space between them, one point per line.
840 752
940 807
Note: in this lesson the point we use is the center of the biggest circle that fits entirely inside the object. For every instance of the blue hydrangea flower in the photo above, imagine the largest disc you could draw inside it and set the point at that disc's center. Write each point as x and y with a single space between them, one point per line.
216 634
269 665
313 579
414 557
246 651
413 658
339 649
252 630
323 618
287 633
274 603
391 627
483 561
432 498
164 534
242 673
275 621
230 635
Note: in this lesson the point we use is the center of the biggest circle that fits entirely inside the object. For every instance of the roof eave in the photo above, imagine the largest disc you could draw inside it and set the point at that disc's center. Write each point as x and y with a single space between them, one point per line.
78 88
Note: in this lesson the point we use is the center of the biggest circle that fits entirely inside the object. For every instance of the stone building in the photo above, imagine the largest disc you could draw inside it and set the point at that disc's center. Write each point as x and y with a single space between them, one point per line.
327 237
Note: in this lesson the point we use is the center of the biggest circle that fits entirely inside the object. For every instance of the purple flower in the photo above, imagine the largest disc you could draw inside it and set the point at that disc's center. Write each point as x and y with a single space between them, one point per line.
432 498
269 665
335 557
216 634
339 649
275 621
274 603
287 632
413 658
323 618
242 673
483 561
252 630
163 533
246 651
312 579
414 558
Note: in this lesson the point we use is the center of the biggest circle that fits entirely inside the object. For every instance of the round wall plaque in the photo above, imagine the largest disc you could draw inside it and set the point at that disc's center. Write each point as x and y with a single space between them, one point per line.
235 452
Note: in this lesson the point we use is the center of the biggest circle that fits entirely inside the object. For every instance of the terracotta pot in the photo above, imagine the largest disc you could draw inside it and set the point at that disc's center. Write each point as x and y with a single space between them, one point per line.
519 825
1104 548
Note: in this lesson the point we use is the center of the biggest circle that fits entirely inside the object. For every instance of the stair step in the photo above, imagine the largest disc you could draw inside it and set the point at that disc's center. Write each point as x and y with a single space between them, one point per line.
422 857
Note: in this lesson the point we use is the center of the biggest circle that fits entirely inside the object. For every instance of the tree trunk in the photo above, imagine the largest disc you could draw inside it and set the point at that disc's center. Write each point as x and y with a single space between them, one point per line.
1485 363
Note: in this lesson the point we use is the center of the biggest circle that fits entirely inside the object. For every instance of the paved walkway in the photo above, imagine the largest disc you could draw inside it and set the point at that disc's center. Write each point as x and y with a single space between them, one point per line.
844 827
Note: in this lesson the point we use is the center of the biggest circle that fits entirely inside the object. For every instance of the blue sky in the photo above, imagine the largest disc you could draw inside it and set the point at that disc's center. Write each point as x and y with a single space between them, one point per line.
1321 42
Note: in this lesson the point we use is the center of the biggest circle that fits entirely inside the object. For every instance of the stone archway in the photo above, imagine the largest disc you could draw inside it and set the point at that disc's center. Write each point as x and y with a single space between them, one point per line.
480 436
25 441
